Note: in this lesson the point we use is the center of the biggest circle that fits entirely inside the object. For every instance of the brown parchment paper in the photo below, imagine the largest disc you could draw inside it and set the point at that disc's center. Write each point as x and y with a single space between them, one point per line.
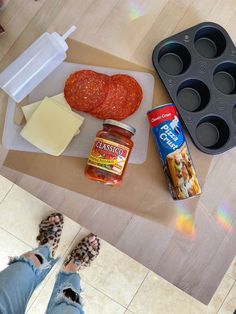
144 189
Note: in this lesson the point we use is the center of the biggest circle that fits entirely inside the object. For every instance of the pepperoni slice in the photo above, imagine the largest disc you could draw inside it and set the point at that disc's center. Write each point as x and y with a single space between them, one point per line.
85 90
134 91
123 98
116 100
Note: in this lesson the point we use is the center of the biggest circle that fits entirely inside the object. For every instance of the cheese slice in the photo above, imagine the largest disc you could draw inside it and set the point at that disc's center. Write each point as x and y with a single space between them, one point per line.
28 110
51 127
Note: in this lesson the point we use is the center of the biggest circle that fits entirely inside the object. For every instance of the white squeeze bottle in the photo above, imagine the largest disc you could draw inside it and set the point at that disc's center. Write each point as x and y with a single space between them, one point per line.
34 64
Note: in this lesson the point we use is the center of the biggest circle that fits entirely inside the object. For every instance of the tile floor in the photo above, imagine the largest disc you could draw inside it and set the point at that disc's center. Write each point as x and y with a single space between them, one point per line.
115 283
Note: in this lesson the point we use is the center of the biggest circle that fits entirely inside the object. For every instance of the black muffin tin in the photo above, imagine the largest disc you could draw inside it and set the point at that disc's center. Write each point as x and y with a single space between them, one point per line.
198 69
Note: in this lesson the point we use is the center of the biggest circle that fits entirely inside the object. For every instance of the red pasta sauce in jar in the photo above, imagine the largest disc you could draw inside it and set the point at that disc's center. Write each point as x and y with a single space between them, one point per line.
110 153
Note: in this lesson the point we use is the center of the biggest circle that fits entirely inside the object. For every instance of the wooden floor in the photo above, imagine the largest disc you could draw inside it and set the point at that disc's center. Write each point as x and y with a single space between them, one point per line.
195 255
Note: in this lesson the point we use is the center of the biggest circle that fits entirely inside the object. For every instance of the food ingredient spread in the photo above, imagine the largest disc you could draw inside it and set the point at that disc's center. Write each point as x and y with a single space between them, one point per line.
110 153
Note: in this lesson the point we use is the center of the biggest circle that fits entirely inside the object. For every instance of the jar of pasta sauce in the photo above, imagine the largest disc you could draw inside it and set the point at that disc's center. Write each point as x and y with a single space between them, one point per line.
110 153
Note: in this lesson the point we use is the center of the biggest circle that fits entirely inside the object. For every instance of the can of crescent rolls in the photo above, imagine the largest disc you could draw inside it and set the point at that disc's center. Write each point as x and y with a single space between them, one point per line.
173 149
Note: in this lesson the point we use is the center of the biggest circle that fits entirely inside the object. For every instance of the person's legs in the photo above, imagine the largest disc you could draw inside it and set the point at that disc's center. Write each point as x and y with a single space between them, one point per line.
21 277
65 298
24 273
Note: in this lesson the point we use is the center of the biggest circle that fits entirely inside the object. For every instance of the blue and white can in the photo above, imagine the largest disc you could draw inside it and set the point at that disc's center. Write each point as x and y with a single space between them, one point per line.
174 153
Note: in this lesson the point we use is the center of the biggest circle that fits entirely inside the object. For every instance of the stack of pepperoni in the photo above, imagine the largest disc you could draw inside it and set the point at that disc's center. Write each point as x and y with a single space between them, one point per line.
103 96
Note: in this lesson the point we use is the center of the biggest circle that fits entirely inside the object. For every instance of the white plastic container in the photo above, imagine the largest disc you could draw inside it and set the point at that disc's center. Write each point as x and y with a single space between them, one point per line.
34 65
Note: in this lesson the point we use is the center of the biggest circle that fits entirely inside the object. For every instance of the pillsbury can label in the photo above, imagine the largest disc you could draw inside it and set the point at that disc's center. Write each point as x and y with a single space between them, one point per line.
175 156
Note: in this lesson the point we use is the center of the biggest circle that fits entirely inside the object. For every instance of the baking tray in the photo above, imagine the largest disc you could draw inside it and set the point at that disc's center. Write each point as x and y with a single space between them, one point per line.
198 69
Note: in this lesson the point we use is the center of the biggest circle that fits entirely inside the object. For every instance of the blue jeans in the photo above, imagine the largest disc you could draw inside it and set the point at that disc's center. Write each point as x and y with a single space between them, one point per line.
21 277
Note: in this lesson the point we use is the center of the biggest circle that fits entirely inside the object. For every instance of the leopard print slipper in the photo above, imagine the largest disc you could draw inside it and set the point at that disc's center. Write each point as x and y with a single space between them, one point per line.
50 230
85 252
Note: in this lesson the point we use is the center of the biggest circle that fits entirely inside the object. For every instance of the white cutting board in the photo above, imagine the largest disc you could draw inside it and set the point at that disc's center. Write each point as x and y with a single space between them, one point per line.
81 145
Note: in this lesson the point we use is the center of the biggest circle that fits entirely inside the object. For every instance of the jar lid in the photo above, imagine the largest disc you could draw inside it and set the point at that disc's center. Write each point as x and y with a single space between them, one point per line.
120 125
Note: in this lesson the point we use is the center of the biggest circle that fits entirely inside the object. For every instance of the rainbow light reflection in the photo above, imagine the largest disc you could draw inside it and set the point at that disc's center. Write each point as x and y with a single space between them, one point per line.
135 11
223 218
184 222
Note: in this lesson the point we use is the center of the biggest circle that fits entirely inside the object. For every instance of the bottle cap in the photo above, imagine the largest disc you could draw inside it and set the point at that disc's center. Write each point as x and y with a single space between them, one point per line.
62 39
120 125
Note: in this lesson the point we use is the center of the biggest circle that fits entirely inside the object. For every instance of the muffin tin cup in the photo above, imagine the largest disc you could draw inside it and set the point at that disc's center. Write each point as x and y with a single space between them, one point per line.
209 42
193 95
198 69
174 59
212 132
234 114
224 78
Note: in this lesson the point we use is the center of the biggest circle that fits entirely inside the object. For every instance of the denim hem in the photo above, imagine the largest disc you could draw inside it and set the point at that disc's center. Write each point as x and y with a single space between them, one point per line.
46 245
69 272
36 270
46 264
60 298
